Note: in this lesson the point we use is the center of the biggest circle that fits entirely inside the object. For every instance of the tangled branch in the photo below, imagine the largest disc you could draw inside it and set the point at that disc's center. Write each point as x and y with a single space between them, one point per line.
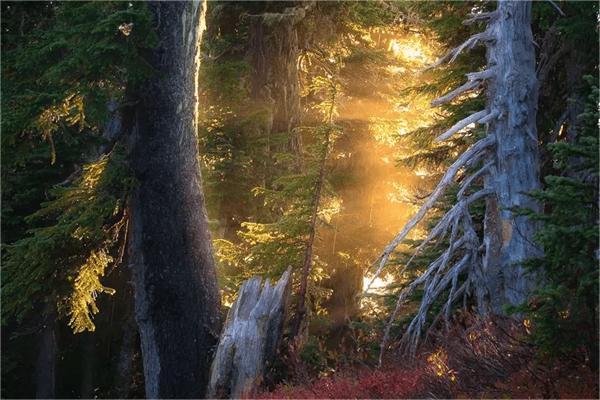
459 265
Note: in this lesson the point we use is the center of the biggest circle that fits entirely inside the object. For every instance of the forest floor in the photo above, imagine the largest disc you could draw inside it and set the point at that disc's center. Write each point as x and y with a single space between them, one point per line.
486 360
394 382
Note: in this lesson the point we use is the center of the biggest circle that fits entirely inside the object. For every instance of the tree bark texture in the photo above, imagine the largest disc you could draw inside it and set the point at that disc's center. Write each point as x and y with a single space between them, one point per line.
45 367
128 347
88 366
273 54
250 337
176 294
513 92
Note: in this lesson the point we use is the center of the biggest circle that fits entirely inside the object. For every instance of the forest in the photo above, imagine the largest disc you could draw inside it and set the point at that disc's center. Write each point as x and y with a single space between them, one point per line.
299 199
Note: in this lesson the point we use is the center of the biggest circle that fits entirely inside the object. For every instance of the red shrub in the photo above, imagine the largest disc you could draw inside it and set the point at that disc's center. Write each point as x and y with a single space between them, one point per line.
395 384
476 358
366 384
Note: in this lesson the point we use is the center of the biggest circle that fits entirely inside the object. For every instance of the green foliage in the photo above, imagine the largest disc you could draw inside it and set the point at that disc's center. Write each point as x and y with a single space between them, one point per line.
564 310
312 355
577 24
64 74
62 212
62 258
366 14
82 303
269 247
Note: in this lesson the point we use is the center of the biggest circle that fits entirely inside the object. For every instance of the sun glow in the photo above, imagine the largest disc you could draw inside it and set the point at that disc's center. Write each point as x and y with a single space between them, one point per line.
405 50
379 284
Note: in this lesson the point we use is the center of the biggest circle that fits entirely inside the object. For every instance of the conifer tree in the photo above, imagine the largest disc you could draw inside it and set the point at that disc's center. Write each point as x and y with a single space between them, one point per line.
564 309
510 159
64 179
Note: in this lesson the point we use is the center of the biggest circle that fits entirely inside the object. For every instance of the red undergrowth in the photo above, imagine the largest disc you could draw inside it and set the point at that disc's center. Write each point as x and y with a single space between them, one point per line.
476 358
365 384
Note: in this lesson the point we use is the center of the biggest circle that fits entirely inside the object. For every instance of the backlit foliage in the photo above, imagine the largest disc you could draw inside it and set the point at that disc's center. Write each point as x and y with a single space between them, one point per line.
63 204
87 286
365 117
68 249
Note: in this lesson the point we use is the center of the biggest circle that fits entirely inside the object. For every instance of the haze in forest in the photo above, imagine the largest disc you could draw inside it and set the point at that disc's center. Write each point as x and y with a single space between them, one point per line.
299 199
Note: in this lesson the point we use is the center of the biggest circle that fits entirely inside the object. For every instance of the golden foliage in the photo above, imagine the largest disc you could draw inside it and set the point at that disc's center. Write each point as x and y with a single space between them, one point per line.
82 302
439 363
70 111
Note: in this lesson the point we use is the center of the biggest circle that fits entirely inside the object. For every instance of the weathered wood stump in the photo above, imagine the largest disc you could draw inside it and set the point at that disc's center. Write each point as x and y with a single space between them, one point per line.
250 337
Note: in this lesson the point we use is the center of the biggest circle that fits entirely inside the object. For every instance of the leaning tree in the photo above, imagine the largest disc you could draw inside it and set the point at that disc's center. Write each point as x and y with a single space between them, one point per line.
176 295
508 161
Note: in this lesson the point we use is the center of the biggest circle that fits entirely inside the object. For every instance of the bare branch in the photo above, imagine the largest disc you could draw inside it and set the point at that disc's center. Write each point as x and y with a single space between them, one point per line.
473 152
482 75
471 119
470 85
474 79
437 279
410 340
493 114
454 53
484 16
557 8
467 182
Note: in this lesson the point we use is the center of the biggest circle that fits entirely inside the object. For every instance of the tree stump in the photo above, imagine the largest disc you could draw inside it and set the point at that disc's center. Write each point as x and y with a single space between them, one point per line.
250 337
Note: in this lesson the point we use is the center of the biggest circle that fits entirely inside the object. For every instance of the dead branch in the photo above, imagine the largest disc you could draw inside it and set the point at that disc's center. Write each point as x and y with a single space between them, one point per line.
467 157
436 278
467 182
481 17
454 53
471 119
557 8
482 75
470 85
488 118
474 80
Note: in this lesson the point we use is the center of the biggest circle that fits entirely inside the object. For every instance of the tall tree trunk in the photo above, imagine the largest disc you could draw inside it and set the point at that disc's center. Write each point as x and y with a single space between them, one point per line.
273 54
513 93
314 217
88 366
45 367
176 295
129 345
308 251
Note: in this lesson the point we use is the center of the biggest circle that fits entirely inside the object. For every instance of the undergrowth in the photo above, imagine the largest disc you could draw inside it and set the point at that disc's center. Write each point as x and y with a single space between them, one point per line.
474 358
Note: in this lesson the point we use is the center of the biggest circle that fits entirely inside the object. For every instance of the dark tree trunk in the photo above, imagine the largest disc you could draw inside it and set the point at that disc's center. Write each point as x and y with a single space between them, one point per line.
574 67
314 218
513 93
300 318
176 294
88 366
129 345
273 54
45 368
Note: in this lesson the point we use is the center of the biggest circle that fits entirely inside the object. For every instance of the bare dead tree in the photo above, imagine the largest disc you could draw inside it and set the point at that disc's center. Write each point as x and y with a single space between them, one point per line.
250 337
490 268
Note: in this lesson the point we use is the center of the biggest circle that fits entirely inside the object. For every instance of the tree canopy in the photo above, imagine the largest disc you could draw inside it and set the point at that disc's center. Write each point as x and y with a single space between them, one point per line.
422 169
